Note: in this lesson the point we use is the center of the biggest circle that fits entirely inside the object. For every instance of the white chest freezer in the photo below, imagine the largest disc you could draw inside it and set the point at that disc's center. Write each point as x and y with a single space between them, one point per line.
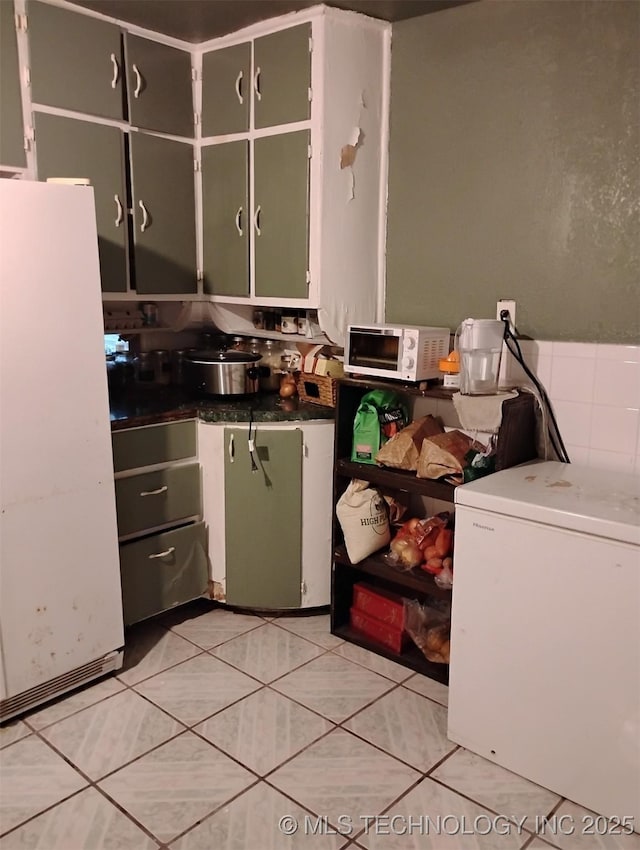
545 642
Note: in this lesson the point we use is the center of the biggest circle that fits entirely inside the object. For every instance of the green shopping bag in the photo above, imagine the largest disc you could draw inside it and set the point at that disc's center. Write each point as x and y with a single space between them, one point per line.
381 414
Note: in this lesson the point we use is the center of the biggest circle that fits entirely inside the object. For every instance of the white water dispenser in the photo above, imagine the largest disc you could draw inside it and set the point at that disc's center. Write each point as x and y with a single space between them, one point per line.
479 343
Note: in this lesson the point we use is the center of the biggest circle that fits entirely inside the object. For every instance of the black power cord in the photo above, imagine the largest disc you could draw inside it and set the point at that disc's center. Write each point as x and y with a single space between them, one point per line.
514 348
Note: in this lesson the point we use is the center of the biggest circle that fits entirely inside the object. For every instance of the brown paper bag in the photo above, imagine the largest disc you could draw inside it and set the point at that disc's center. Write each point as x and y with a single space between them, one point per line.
443 455
403 449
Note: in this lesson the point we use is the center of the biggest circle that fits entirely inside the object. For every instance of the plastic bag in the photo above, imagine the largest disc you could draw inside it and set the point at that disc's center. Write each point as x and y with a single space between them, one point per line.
379 416
429 629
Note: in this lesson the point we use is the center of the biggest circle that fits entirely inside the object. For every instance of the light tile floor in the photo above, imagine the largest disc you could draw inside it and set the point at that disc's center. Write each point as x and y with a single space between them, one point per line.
225 730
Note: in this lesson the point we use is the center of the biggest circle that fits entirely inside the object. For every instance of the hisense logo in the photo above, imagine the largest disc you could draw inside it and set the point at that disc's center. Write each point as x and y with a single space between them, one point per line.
483 527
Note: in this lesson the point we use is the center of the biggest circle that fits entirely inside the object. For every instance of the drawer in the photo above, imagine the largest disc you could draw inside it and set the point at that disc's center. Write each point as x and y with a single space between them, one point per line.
152 444
157 498
162 571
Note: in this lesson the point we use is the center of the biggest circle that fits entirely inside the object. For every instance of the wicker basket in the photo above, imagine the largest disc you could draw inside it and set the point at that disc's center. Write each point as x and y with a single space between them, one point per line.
317 389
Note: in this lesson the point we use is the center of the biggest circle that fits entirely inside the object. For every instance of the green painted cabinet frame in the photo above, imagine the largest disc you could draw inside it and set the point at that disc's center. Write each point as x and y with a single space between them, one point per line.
75 60
263 518
71 148
159 87
282 76
163 215
226 90
12 150
281 215
226 219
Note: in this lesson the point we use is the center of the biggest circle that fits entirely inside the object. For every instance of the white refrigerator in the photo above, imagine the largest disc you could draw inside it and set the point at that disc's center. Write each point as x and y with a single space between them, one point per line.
60 598
545 644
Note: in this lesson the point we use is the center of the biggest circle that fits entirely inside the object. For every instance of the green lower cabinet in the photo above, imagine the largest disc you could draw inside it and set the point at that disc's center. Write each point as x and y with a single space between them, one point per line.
263 518
157 498
162 571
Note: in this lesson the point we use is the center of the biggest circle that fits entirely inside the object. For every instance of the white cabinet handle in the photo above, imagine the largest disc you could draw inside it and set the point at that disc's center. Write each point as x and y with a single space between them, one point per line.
164 554
239 221
116 71
138 88
256 219
157 492
231 450
118 220
256 84
239 79
145 217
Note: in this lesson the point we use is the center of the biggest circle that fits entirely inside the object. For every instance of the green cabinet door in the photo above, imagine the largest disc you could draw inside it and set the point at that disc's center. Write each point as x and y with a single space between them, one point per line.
281 215
76 61
263 518
66 147
164 216
226 90
225 211
11 130
282 76
159 87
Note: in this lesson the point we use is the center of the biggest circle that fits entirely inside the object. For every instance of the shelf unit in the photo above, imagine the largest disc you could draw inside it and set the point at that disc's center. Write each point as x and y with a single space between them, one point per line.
515 444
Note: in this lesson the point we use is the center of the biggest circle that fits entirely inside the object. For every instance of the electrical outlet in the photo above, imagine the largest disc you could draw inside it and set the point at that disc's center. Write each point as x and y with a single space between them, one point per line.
506 304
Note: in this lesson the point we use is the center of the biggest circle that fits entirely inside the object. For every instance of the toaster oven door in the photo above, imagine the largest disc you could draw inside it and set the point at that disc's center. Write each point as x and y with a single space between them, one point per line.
378 350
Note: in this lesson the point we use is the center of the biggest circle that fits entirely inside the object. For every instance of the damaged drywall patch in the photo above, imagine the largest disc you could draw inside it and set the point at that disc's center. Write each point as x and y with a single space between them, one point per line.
349 151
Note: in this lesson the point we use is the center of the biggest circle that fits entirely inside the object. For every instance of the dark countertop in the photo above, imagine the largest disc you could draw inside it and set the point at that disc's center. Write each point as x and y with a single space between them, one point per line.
151 405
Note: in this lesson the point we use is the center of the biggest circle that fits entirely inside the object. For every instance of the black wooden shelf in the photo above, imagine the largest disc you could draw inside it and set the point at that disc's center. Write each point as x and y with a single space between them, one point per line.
416 580
396 479
411 657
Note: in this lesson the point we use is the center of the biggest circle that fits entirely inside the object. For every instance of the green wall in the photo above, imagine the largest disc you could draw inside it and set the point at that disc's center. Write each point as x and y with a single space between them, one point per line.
514 167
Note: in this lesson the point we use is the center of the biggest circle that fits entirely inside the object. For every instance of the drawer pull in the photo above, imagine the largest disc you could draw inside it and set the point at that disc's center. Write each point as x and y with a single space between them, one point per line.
231 450
157 492
119 211
164 554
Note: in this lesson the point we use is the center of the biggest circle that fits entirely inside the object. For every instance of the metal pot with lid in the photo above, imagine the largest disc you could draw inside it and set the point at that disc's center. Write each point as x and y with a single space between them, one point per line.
222 372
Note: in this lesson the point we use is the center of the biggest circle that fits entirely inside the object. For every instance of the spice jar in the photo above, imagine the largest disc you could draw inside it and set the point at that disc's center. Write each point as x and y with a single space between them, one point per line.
161 366
143 367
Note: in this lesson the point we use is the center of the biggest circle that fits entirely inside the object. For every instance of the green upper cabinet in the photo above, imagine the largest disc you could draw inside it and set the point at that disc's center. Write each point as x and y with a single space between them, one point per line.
226 222
76 60
226 90
159 87
281 215
12 151
164 215
67 147
263 564
282 76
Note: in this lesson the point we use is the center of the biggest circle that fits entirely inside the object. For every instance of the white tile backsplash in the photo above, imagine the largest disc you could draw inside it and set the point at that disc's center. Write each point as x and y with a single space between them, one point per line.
572 378
595 392
617 382
614 429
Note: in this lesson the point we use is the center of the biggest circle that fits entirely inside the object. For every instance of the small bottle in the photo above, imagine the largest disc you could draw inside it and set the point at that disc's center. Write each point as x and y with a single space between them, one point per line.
289 322
277 320
161 366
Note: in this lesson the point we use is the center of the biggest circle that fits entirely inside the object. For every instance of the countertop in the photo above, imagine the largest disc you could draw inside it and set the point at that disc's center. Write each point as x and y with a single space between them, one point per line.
151 405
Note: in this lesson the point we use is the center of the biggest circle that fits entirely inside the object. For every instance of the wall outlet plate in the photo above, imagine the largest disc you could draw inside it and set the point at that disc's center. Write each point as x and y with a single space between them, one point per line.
507 304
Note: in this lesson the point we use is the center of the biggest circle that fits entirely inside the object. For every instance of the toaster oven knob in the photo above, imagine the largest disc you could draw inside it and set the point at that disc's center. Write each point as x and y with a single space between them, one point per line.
408 363
410 343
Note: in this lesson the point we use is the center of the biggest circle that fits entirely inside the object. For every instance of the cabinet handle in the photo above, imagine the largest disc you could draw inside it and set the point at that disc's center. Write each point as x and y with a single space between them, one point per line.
118 220
145 217
138 88
231 450
256 219
116 71
256 84
239 222
164 554
239 79
157 492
